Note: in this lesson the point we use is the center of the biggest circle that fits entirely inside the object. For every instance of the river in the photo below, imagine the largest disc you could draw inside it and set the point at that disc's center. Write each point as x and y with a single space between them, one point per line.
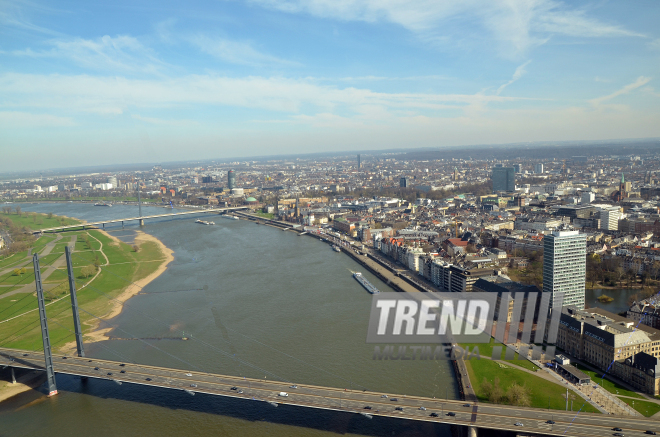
286 305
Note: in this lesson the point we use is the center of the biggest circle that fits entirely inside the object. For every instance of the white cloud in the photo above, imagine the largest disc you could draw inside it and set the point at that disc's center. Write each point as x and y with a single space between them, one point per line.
120 53
641 81
518 25
15 14
236 52
520 71
19 120
655 44
115 94
164 122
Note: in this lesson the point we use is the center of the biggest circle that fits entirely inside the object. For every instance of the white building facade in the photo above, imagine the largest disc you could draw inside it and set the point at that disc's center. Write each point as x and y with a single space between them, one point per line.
564 266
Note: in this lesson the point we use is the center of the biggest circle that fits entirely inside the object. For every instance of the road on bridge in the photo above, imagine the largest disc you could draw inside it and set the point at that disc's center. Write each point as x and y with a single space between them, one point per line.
144 217
353 401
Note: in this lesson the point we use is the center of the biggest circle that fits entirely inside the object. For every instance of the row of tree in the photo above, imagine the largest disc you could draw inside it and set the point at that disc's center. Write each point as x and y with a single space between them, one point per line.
516 394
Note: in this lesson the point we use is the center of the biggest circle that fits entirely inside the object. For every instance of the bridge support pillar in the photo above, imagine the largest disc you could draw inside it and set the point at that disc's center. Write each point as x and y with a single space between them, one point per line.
13 376
103 224
48 356
472 431
141 222
122 224
74 303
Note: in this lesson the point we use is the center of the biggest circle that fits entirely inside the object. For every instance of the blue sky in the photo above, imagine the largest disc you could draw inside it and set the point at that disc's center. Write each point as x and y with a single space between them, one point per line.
84 83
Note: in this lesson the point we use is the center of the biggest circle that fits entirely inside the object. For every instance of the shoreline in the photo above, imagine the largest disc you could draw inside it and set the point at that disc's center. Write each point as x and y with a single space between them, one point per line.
101 334
28 382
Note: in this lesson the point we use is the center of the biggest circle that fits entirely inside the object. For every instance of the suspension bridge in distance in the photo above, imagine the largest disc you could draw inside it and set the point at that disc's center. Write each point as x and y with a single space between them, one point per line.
141 219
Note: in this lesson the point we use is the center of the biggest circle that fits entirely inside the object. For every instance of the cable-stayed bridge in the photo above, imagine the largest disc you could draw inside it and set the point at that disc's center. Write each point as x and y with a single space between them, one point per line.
141 219
368 403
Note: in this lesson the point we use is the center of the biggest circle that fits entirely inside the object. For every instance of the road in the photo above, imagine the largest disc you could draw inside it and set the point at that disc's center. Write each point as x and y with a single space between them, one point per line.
479 415
103 222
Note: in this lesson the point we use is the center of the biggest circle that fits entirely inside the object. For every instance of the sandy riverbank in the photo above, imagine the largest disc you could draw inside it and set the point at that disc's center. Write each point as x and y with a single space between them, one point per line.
26 382
130 291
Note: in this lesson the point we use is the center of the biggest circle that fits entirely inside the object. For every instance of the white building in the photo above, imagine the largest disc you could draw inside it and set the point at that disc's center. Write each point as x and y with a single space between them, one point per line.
609 217
588 197
564 266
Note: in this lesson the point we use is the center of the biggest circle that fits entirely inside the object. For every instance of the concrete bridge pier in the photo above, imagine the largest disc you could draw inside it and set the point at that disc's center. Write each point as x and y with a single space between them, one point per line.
13 376
103 224
472 431
122 224
141 222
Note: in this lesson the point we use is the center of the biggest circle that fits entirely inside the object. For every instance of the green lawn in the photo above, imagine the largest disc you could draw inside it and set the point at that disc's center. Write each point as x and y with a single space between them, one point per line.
42 221
645 408
608 385
524 363
265 215
542 392
126 266
4 290
24 278
486 351
12 259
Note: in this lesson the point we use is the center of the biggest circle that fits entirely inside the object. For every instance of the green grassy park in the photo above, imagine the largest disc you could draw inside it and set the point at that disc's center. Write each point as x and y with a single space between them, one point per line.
19 322
265 215
540 392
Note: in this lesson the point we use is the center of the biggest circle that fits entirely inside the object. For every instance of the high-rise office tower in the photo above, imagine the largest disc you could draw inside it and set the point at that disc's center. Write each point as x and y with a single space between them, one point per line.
516 168
538 168
231 179
359 163
504 178
564 266
403 183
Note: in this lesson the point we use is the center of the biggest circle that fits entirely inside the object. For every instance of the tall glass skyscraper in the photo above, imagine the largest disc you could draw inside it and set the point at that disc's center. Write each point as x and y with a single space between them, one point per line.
231 179
504 178
564 266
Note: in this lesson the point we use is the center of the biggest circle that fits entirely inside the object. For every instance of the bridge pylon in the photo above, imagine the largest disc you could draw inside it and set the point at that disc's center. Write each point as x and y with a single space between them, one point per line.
50 372
74 303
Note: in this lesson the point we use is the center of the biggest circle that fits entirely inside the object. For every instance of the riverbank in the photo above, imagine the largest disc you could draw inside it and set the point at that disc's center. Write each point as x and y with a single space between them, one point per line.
108 272
29 381
117 305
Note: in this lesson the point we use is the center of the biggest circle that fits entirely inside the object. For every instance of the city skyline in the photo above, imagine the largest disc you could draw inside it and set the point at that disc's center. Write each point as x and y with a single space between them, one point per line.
84 85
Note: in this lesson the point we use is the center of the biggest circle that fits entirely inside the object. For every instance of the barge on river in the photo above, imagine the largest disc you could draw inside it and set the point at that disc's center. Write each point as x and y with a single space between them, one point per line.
366 284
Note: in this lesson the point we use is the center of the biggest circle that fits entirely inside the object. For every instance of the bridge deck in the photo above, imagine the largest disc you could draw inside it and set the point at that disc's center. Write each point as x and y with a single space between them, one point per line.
480 415
144 217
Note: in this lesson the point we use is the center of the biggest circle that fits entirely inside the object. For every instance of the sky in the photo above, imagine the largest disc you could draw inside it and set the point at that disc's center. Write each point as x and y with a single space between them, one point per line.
96 83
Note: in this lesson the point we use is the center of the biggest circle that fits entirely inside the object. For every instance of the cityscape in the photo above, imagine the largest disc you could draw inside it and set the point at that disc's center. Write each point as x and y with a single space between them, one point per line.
311 218
584 228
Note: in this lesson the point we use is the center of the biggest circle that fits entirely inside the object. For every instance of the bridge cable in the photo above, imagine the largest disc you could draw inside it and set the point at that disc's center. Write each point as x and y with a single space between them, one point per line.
233 330
10 317
146 371
227 354
29 293
7 341
208 345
